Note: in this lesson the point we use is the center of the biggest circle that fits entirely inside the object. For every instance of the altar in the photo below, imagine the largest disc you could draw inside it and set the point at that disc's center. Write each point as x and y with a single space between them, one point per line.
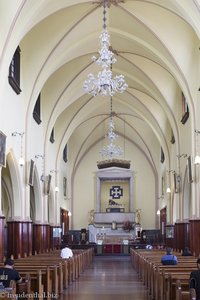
118 217
106 235
114 206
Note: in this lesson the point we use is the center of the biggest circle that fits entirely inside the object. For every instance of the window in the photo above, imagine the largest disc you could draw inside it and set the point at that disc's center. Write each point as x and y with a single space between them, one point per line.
162 156
52 138
36 111
65 153
2 149
172 138
14 71
185 110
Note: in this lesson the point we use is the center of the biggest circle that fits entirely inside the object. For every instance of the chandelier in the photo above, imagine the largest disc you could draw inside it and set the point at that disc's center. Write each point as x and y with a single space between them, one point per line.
111 150
104 83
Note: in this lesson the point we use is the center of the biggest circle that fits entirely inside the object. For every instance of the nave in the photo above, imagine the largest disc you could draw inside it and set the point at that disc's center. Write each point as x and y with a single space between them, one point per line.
108 277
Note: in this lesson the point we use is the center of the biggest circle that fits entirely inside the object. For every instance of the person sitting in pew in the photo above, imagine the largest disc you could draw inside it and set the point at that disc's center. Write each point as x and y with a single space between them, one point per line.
8 273
169 258
186 252
66 252
195 280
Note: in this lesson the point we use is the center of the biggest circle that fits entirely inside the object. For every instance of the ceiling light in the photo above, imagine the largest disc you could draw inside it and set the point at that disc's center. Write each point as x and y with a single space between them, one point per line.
111 150
104 84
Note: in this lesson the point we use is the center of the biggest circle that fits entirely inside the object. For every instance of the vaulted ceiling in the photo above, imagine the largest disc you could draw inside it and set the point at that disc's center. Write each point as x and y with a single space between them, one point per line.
155 43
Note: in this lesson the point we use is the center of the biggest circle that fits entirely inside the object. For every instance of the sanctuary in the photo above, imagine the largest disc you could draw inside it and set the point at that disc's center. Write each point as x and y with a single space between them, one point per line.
114 204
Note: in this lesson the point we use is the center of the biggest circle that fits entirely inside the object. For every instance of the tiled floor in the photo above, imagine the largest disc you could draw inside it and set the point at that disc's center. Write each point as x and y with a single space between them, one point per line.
109 277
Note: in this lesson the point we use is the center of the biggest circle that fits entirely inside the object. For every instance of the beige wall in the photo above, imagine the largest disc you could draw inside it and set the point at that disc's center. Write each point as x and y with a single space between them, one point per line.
84 187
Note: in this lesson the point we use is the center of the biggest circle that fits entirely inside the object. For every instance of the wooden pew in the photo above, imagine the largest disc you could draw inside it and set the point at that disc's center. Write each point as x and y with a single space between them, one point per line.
184 295
23 289
50 274
10 292
36 282
161 280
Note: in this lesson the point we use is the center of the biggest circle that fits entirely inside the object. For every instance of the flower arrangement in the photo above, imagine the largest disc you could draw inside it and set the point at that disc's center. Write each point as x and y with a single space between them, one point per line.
127 226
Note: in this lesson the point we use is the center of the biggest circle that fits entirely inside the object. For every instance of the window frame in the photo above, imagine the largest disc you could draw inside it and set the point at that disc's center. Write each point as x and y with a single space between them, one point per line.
14 72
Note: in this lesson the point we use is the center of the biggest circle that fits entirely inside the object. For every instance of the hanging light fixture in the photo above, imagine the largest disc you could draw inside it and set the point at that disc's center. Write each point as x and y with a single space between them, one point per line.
21 159
42 177
56 187
197 157
104 83
168 190
111 150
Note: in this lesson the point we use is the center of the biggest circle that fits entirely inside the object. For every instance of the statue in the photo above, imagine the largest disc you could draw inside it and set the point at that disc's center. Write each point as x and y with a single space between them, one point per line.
112 202
138 216
91 216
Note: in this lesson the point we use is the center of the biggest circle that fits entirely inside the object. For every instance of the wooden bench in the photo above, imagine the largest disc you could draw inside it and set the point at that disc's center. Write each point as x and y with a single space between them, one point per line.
49 277
50 274
161 280
23 289
55 273
184 295
9 293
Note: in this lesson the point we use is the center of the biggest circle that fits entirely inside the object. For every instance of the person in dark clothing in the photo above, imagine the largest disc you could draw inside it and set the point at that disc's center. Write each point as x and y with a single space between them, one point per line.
186 252
169 258
195 280
8 273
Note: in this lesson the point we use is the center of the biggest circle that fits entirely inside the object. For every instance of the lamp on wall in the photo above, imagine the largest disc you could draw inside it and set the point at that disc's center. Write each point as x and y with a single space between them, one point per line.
53 171
56 187
197 157
42 177
105 84
21 159
184 155
69 213
168 190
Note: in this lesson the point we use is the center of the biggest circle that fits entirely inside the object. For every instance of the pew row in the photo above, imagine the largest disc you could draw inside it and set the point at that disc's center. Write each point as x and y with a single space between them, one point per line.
50 274
161 280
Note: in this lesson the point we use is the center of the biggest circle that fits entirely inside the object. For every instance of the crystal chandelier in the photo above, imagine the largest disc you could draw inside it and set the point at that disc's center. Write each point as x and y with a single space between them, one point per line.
104 83
111 150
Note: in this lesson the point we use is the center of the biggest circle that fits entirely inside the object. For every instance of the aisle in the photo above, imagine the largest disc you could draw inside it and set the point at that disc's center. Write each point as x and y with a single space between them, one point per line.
109 277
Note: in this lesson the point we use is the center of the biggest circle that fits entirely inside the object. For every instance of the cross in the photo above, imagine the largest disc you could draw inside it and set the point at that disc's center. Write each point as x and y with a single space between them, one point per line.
116 192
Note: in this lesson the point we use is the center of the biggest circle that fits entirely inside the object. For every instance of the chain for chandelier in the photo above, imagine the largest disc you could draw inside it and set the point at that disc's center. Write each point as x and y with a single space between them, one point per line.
104 84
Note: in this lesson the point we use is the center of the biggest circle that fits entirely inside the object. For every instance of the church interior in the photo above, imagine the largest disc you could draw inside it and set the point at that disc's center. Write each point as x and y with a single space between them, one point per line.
99 125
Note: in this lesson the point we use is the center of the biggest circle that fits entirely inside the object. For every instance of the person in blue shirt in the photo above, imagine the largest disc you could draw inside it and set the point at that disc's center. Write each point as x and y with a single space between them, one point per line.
169 258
